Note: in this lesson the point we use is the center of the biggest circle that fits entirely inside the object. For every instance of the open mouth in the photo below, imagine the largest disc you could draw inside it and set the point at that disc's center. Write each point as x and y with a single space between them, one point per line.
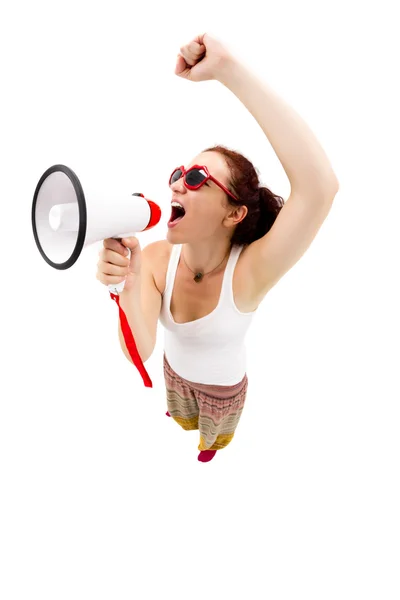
177 213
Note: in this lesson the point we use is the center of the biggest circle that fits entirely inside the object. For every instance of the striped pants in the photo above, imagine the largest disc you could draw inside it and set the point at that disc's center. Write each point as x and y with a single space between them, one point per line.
214 410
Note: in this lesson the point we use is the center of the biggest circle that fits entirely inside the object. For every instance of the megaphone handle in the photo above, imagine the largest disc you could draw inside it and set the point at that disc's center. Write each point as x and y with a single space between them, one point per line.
117 288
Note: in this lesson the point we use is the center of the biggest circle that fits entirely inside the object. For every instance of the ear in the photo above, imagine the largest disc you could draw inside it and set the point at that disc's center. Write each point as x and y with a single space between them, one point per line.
235 216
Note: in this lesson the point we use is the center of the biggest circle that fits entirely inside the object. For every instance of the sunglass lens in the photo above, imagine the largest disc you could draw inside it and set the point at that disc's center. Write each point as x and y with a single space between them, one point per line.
175 176
195 177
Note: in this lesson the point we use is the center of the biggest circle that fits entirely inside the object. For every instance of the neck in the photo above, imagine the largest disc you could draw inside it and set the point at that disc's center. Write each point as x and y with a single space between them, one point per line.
204 256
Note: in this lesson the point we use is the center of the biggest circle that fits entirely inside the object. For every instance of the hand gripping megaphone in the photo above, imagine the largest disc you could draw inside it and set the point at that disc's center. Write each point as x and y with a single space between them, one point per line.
65 220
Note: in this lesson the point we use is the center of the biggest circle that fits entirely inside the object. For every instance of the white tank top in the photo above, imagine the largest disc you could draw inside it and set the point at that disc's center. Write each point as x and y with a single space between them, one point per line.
209 350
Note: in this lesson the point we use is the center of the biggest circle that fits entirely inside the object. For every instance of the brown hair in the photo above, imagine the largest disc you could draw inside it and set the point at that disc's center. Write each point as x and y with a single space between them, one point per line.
263 206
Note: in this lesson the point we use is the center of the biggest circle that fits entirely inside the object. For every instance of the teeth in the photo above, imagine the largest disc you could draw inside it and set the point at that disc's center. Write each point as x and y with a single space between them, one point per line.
177 204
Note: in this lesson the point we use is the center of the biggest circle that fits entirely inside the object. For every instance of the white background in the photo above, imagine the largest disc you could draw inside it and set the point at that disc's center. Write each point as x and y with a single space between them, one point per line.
102 496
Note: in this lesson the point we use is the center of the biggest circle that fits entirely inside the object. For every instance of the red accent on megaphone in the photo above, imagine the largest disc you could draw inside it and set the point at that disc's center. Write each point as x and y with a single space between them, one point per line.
155 217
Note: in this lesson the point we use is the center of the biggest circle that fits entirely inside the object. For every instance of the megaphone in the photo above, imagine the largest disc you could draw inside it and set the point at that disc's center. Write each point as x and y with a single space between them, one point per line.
65 220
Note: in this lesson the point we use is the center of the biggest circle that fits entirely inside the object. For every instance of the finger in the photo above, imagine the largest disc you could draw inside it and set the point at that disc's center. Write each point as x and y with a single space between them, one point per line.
200 39
194 48
109 269
181 67
191 57
191 53
189 60
113 257
197 47
109 279
131 242
115 245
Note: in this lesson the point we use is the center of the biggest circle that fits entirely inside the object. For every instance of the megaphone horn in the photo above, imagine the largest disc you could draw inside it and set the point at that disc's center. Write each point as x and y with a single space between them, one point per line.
65 219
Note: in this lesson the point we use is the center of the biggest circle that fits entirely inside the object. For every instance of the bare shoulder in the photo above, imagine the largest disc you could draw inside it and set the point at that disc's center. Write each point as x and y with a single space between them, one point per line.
155 248
155 257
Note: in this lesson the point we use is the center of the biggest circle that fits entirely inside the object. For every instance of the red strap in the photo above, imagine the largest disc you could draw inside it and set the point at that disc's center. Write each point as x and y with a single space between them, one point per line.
131 345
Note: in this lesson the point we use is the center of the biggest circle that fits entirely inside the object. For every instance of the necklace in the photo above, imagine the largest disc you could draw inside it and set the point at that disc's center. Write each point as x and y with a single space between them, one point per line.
199 275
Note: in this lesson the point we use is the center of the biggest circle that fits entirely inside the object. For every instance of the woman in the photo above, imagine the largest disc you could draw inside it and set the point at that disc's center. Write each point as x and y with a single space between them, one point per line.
229 242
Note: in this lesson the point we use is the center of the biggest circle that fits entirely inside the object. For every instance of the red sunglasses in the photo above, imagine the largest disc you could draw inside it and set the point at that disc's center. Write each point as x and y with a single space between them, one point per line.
195 177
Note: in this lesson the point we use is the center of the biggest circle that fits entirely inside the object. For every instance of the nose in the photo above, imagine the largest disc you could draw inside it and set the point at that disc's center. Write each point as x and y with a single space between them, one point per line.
178 186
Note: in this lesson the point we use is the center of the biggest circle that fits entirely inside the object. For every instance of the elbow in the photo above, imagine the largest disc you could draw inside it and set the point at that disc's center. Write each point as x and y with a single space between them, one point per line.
334 186
143 357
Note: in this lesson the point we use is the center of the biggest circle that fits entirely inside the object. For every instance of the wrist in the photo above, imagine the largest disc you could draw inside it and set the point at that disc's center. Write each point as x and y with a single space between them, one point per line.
133 295
230 72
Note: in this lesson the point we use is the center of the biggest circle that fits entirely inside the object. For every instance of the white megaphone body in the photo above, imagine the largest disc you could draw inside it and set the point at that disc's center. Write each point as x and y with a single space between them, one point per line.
65 219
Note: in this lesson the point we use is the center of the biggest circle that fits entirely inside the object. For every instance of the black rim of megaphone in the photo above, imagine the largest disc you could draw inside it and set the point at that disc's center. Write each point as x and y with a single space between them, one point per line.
82 216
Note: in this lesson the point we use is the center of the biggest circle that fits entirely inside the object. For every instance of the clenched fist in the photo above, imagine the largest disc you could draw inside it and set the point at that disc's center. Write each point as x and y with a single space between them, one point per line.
115 264
202 59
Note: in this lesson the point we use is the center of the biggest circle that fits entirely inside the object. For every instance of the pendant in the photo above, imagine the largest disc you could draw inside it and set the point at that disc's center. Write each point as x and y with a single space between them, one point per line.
198 277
